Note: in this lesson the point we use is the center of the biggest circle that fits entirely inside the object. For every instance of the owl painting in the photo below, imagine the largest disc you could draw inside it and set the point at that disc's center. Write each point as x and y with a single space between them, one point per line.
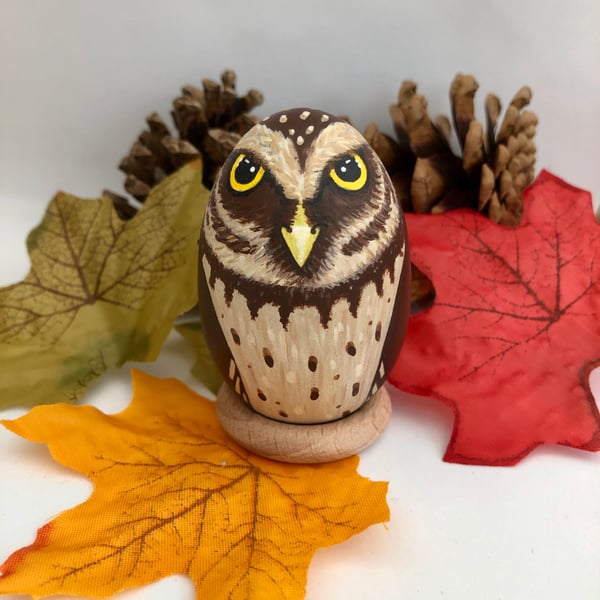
304 269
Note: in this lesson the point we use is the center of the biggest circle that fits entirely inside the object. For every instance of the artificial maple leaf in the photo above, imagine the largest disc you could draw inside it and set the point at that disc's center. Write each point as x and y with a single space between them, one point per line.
100 290
173 494
204 368
514 331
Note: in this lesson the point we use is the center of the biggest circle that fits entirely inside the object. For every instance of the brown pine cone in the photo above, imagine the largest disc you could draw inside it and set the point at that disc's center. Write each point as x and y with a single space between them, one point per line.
490 172
209 122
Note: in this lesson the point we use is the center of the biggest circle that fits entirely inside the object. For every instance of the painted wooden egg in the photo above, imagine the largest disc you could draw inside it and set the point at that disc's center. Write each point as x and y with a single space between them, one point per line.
304 270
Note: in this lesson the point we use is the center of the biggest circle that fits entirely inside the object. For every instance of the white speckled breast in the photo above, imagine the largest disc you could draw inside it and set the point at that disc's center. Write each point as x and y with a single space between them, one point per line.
304 372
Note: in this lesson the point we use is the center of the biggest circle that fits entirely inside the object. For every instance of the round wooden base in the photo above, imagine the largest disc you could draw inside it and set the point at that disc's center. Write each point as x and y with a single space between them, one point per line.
297 443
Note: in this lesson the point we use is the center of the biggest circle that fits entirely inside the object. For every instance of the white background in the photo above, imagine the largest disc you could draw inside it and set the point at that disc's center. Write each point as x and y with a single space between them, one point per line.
76 80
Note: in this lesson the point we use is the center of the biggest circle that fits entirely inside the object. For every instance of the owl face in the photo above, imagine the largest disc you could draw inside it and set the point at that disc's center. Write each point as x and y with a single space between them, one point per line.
303 201
304 281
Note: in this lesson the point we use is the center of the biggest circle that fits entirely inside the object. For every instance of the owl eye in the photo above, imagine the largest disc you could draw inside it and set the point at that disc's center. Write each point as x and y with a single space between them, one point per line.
349 173
245 174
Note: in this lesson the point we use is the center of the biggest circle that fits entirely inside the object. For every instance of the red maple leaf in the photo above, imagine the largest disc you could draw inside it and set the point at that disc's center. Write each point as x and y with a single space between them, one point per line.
515 328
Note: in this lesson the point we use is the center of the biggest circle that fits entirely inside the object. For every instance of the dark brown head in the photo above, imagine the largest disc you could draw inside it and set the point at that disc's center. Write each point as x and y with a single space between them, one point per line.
302 201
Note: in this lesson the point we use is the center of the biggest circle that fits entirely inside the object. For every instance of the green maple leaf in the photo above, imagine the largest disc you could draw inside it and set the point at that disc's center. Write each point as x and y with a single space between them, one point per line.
204 368
100 291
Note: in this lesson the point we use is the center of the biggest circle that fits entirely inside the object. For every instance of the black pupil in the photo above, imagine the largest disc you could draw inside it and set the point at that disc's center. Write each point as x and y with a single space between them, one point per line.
246 171
348 169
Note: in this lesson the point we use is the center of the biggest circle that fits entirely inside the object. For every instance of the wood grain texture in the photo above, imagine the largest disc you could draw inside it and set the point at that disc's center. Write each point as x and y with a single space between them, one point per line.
303 443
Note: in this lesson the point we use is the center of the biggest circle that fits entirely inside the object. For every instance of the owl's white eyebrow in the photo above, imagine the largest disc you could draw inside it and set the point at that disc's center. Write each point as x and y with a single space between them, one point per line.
280 156
337 139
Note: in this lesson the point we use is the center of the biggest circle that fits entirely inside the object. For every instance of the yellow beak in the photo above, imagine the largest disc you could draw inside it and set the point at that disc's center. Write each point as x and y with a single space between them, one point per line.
300 236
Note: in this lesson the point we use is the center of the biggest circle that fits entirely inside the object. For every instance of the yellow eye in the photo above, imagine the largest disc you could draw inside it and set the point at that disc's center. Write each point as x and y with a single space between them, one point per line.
245 174
349 173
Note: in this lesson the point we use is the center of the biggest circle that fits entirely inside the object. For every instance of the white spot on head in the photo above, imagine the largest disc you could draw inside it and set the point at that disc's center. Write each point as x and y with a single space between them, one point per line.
310 129
283 119
304 115
292 131
324 118
299 140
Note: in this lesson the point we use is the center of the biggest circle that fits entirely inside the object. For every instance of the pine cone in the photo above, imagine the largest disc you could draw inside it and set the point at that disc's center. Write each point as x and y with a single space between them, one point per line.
492 170
209 121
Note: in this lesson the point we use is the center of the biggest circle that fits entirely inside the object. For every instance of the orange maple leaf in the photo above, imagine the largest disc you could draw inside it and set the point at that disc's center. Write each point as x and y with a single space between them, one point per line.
173 494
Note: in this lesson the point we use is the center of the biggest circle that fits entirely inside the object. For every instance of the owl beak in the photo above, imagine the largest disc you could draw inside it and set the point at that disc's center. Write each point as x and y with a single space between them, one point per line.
300 236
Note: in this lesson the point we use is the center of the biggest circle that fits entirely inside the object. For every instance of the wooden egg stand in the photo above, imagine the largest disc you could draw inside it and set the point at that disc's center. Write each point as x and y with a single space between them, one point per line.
298 443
